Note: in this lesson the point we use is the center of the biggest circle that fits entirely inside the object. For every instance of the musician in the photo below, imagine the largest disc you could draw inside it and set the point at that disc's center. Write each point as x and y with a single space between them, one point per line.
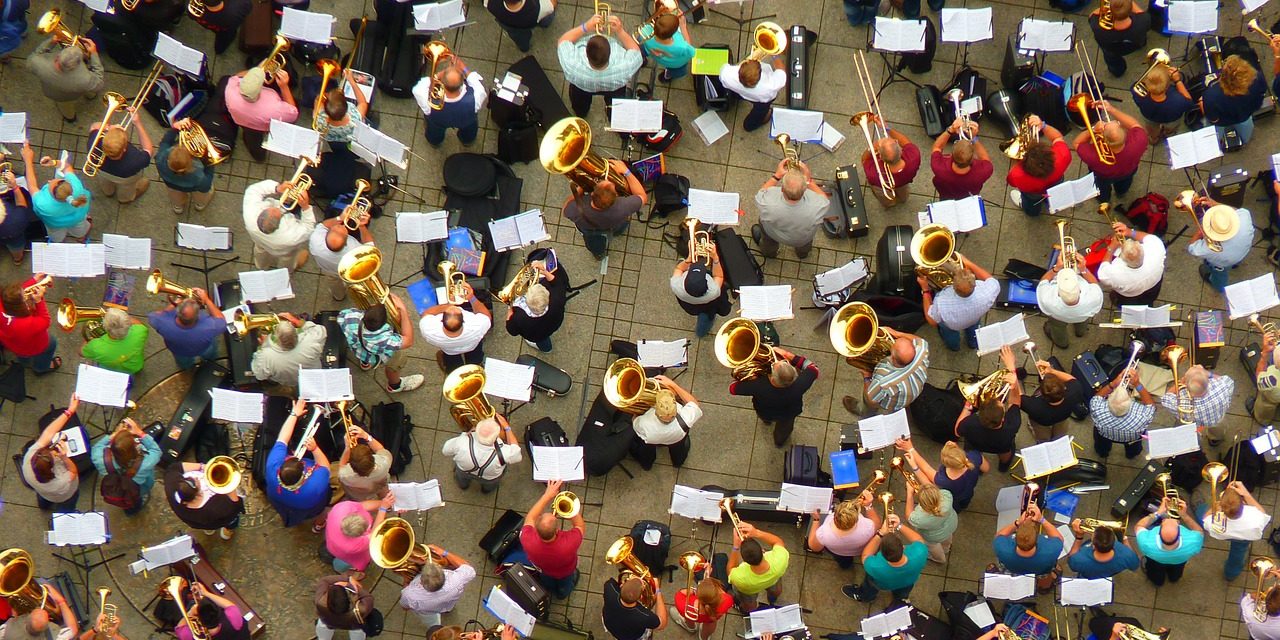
846 530
1117 419
1109 627
900 155
458 332
778 398
338 125
1043 166
62 204
348 527
342 602
1268 629
792 207
1047 412
992 425
280 240
753 570
670 47
961 173
291 345
68 74
47 467
1102 557
959 307
700 290
364 469
1231 229
624 617
330 242
223 18
221 618
665 424
464 97
24 326
604 212
552 551
253 108
1162 108
373 341
893 561
1210 396
1128 33
1167 543
1067 298
1127 140
708 602
155 15
478 456
958 471
15 207
538 314
196 506
861 12
121 173
1136 278
602 66
101 630
758 83
13 27
123 347
1267 378
1245 520
519 17
298 488
190 335
897 380
437 589
131 453
935 520
1029 545
189 179
36 625
1229 103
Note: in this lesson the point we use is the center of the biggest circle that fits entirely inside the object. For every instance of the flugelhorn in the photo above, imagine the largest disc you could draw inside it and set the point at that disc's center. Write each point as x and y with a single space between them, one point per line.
69 315
886 500
1104 210
789 152
1186 410
1030 348
1067 244
992 387
526 277
956 96
872 124
436 51
359 270
297 185
222 475
1136 348
566 505
1089 525
856 334
244 322
50 24
738 346
1186 201
359 207
455 283
107 610
1155 58
620 554
932 247
700 245
275 60
393 545
1215 473
566 150
157 285
1262 567
767 39
1170 492
627 388
464 391
96 156
18 585
173 586
909 476
1267 330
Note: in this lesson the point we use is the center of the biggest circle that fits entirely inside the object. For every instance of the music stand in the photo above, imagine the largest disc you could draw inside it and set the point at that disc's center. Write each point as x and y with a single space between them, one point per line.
893 73
741 21
205 268
80 556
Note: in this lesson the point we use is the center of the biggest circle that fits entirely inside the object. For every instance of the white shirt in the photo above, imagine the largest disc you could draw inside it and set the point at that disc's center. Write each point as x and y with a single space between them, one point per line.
654 431
1266 630
474 83
771 82
1251 525
677 288
325 259
460 448
1118 276
272 362
474 327
294 230
1051 304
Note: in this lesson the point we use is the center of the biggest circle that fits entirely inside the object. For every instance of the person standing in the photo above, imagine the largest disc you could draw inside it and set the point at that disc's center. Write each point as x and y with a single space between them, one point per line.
291 345
846 530
1166 102
1262 406
479 456
900 156
298 488
778 396
756 82
992 426
1048 411
128 454
37 625
1209 397
1126 34
1042 166
338 115
280 238
437 589
348 527
958 308
893 560
16 215
604 212
62 204
13 27
935 520
342 602
753 570
897 380
964 171
374 342
364 470
190 335
1243 521
624 615
1167 542
223 18
189 179
67 74
1229 103
253 106
670 47
554 552
701 608
330 242
1117 419
699 290
1230 230
1067 302
1127 141
47 467
192 501
123 163
792 207
24 325
602 66
536 315
666 424
1136 278
458 331
1269 627
958 470
1098 556
518 18
464 97
1027 546
123 347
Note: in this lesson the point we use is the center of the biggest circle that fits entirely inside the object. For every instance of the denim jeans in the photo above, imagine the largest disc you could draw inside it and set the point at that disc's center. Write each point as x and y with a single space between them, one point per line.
1215 276
705 321
951 337
466 135
1121 185
524 37
340 565
42 362
211 353
676 73
560 587
1237 555
544 345
1033 205
1242 129
868 591
859 15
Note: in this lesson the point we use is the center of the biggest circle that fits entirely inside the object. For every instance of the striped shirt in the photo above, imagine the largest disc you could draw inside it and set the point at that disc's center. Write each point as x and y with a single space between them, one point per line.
370 347
1210 408
893 387
958 313
623 63
1126 428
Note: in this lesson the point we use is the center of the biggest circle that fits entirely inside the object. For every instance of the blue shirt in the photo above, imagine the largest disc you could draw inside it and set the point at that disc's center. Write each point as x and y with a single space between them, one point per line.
1224 110
1041 562
1088 567
1234 249
187 342
676 55
61 214
1171 109
1189 544
304 503
198 179
146 474
891 578
16 219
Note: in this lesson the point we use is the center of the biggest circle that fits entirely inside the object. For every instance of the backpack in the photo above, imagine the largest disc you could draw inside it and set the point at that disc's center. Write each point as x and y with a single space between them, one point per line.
1149 213
670 195
117 487
922 61
666 137
1042 97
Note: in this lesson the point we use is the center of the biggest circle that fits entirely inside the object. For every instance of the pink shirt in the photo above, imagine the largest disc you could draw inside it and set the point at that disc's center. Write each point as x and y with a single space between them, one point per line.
846 543
353 551
257 115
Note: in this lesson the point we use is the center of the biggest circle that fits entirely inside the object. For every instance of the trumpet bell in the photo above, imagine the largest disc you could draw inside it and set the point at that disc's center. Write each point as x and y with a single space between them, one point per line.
69 315
19 587
246 322
566 505
986 389
222 474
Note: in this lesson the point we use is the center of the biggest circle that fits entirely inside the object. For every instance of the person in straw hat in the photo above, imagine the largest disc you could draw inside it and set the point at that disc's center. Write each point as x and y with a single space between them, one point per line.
1067 297
1226 227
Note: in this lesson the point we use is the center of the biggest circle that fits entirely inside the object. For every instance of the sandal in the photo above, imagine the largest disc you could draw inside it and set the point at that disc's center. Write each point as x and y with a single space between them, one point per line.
57 364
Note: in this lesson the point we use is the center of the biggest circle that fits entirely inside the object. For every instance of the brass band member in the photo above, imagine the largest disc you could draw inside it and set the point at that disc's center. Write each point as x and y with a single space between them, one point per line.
757 82
99 630
24 325
1231 229
602 66
62 204
221 618
1210 395
365 468
893 560
1245 521
339 119
753 570
188 179
464 96
699 290
671 46
47 466
958 470
297 488
1100 556
553 551
192 329
348 527
155 15
897 380
479 456
1126 34
280 238
667 423
123 347
1105 626
792 207
519 17
1229 103
342 602
129 454
123 163
900 155
223 18
1066 301
1117 419
1267 377
1167 543
457 331
291 345
37 626
437 589
1136 277
373 342
623 614
778 398
709 600
1268 629
846 530
253 106
1043 166
198 507
992 426
1126 138
332 240
1048 410
16 214
960 306
538 314
1028 546
964 171
68 74
604 213
1166 103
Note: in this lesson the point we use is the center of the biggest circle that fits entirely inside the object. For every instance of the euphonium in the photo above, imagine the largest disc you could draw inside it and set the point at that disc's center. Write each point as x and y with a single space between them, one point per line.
619 553
328 67
1067 244
196 141
360 205
526 277
1081 103
359 270
1131 632
96 156
1089 525
1170 491
768 39
19 587
1267 330
299 184
992 387
566 150
739 347
1262 568
899 465
856 334
437 52
243 322
50 24
222 474
566 505
275 60
455 282
464 390
627 388
693 562
700 246
1016 147
107 610
789 152
1171 355
69 315
157 284
1105 19
173 586
393 545
932 246
1215 473
1155 58
1186 202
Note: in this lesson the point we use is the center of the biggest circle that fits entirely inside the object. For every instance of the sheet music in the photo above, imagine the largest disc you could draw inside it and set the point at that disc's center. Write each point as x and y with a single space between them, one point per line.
557 463
78 529
201 238
1193 148
1249 6
507 379
804 499
663 353
1254 295
307 26
967 25
1162 443
880 431
842 277
980 613
264 286
237 406
1193 16
417 496
102 386
1006 332
179 55
100 6
381 145
636 116
1043 35
413 226
126 253
831 137
710 127
801 125
1070 193
520 230
964 215
166 553
776 620
1086 593
1143 316
1048 457
1005 587
693 503
292 141
13 128
766 302
898 35
886 624
505 609
325 385
1266 441
438 17
714 207
67 260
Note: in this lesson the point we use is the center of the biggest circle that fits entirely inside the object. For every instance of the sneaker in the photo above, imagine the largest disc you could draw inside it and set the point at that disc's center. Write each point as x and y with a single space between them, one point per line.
681 620
851 591
226 533
1016 197
209 532
532 344
408 383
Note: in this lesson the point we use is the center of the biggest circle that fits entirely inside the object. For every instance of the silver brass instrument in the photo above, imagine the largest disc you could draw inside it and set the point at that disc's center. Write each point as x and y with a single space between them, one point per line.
1171 355
1030 348
1089 525
50 24
455 282
1030 493
1215 473
956 96
992 387
627 388
464 391
1024 136
1170 492
899 465
566 150
308 433
158 285
1090 99
1186 202
768 39
932 246
359 207
1267 330
872 124
19 587
173 586
856 334
1155 58
222 474
96 156
619 553
886 499
437 52
700 245
69 315
739 347
789 151
359 270
1262 568
108 611
299 184
275 60
1067 244
1136 347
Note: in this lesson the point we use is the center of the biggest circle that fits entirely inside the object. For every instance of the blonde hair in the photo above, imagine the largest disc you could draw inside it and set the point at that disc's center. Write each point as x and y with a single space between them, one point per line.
845 515
1237 76
114 141
930 499
664 405
953 457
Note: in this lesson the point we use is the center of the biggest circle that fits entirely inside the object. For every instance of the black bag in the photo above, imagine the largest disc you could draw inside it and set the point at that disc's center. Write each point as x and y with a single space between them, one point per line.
896 312
670 195
1089 371
273 416
518 141
1227 185
1111 358
853 212
605 437
123 40
1185 469
372 625
971 85
741 269
801 465
503 537
1019 66
1249 466
523 586
895 269
169 90
117 486
211 441
936 411
394 429
664 138
708 91
929 104
653 556
1041 97
544 432
953 604
922 61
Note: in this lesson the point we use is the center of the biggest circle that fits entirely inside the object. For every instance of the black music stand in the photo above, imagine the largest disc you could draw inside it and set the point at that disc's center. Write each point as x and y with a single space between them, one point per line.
892 73
743 19
80 556
205 268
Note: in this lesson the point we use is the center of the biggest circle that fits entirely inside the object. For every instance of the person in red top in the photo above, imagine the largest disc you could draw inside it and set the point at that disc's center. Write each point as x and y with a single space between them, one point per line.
552 551
1127 139
700 608
1043 166
24 325
962 173
902 157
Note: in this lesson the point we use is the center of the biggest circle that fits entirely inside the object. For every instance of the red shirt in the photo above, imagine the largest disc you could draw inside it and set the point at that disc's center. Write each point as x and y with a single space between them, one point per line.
1029 185
557 559
1127 161
26 336
954 186
682 599
911 165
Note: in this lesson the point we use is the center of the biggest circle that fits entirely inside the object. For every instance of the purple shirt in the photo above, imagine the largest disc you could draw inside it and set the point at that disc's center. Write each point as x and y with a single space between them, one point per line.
187 342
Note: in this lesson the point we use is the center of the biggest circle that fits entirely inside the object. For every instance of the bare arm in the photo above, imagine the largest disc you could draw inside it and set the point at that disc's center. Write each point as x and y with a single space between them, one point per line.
553 487
145 139
286 430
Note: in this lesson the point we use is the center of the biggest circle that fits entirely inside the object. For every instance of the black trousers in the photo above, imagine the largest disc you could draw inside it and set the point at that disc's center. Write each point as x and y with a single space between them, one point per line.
646 453
1158 572
1143 299
581 100
253 142
474 356
1102 446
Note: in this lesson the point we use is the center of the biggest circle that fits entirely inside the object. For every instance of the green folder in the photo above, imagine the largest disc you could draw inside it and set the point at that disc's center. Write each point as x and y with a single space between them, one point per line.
707 62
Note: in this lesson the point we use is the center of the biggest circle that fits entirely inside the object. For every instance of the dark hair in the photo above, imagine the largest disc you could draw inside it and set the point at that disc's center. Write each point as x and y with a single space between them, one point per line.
338 600
42 464
1104 539
630 590
991 414
15 304
451 632
1273 602
210 614
335 104
666 26
187 490
1053 388
361 459
290 471
374 318
598 52
749 73
1038 163
891 547
752 552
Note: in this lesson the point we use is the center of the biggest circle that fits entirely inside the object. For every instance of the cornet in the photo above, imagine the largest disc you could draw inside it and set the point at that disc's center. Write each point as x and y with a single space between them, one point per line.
1170 491
297 185
275 60
956 96
604 12
359 207
1104 210
351 434
1089 525
700 247
1267 330
789 152
872 124
1070 259
35 291
108 611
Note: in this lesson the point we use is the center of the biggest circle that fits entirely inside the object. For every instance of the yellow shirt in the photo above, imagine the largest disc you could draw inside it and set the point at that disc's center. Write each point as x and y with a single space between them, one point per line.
749 583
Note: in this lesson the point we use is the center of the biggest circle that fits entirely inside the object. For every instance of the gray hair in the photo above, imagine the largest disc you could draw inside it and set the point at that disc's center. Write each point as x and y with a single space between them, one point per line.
70 58
117 323
793 184
432 577
285 335
537 298
1132 253
354 526
269 220
1119 402
1197 380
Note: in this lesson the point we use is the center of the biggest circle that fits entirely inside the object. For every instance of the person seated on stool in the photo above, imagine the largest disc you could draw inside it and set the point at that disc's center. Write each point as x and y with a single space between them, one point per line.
666 423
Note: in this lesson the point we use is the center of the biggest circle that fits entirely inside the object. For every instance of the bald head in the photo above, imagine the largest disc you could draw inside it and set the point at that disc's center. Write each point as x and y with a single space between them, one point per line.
546 527
452 319
889 149
452 80
904 351
1113 134
336 238
1169 531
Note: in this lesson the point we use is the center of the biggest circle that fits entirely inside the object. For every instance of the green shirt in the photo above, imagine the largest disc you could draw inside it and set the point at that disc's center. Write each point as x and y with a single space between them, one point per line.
125 355
749 583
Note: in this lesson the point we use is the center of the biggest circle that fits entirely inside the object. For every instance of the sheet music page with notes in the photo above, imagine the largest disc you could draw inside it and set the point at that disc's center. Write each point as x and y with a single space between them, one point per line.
65 260
417 227
1254 295
636 116
964 215
1001 586
307 26
125 252
507 379
710 127
1006 332
1143 316
714 207
13 129
325 385
880 431
1193 16
1070 193
202 238
417 496
179 55
1192 148
1163 443
663 353
1086 593
776 620
804 499
800 124
101 386
379 145
967 25
505 609
899 35
884 625
265 286
237 406
292 141
1249 6
689 502
78 529
1043 35
557 463
438 17
766 302
842 277
1048 457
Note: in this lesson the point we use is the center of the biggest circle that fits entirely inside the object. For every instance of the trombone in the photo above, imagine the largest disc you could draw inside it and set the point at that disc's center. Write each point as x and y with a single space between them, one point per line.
1186 202
1030 348
1262 567
328 67
1091 98
298 185
1215 473
872 124
96 156
1070 259
956 96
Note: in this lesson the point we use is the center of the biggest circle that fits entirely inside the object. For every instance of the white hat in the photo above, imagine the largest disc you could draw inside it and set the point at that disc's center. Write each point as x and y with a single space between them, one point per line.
1221 223
251 84
1069 286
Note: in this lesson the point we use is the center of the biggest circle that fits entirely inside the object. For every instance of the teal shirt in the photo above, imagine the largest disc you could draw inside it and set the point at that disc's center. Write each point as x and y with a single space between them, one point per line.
1189 544
146 475
888 577
676 55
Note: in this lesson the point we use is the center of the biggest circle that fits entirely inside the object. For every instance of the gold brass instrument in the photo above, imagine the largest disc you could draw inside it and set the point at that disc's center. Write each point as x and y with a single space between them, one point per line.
195 140
693 562
1216 473
1267 330
196 8
566 150
878 477
566 505
1136 349
243 322
351 436
1105 210
627 388
871 122
173 586
393 545
275 60
1089 525
1091 99
464 390
158 285
899 465
886 500
604 12
739 347
526 277
437 52
1105 19
1030 348
768 39
620 553
1155 58
1131 632
360 205
455 282
1170 491
35 291
856 334
1025 135
50 24
1170 356
992 387
359 270
140 98
19 587
955 96
96 156
726 504
1262 567
298 184
328 68
69 315
1254 26
109 611
1186 202
932 246
1007 633
789 151
644 31
1030 492
700 245
1070 258
222 474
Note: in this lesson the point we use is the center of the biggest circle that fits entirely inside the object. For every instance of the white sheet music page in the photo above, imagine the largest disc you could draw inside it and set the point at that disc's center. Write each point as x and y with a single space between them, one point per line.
325 385
507 379
1249 6
1254 295
292 141
1043 35
663 353
842 277
557 463
1000 586
1047 457
766 302
414 226
1163 443
967 25
13 129
880 431
101 386
898 35
417 496
714 207
636 116
1193 148
78 529
532 226
438 17
801 125
1133 315
1193 16
980 613
307 26
125 252
381 145
696 504
66 260
804 499
964 215
883 625
264 286
1006 332
202 238
776 620
505 609
710 127
1086 593
504 233
179 55
237 406
1065 195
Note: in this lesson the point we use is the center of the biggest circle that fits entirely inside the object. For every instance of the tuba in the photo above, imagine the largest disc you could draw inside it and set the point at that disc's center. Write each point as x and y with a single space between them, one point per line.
392 545
739 347
566 505
222 474
464 389
1155 58
871 122
1170 491
157 285
1215 473
1186 410
437 52
1131 632
19 587
992 387
628 389
96 156
856 334
1262 567
526 277
566 150
69 315
360 205
50 24
243 322
195 140
768 39
359 270
455 283
275 60
931 247
620 553
299 184
899 465
328 67
173 586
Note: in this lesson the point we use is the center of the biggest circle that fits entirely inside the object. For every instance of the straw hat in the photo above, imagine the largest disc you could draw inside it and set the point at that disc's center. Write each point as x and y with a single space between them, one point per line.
1221 223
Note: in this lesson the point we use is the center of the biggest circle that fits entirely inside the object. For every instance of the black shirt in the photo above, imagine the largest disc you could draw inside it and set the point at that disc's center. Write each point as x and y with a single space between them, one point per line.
524 18
230 16
16 219
156 15
772 403
133 162
977 436
1174 106
1123 41
1046 415
622 622
540 328
216 513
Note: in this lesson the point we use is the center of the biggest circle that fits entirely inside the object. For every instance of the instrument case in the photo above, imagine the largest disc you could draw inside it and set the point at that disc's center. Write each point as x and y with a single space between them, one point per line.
799 62
1227 184
1019 66
605 437
503 536
391 426
190 413
897 270
801 466
334 354
754 505
853 213
741 269
239 350
929 104
1132 495
522 585
544 432
547 378
1089 371
547 630
652 555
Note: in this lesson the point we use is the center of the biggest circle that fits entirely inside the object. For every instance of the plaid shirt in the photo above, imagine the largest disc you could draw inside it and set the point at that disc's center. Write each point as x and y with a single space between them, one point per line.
958 313
893 387
369 347
1211 408
623 63
1125 428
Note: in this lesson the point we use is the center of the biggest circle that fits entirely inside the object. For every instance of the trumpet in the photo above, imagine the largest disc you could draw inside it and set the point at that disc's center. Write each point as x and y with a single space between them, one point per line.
96 156
50 24
1262 567
351 434
566 505
1024 136
1253 26
1091 99
1104 209
789 152
1030 493
1105 19
908 475
35 291
1137 347
1070 259
1030 348
455 283
359 207
700 247
1089 525
955 96
886 499
173 586
1155 58
604 12
275 60
297 185
437 52
872 124
328 68
1267 330
1215 473
109 611
878 477
1170 491
1186 410
768 39
1186 202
